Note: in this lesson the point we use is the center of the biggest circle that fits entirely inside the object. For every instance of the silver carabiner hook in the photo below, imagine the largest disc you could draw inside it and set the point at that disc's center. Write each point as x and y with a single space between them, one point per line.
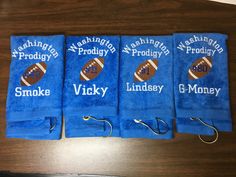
158 132
53 126
209 126
86 118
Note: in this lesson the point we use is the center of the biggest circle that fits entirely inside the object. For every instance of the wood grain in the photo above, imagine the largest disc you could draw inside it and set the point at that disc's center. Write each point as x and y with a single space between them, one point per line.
183 156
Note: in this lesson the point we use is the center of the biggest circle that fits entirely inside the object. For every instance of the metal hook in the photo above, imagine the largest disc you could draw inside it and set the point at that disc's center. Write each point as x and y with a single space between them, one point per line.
86 118
151 129
53 126
210 126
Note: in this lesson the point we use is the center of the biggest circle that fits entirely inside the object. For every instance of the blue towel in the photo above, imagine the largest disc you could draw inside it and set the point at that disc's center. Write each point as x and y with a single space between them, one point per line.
34 101
33 129
146 87
201 82
91 85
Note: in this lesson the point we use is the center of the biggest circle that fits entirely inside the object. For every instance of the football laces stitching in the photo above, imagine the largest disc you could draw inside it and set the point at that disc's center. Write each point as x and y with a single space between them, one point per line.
200 63
143 67
89 66
31 71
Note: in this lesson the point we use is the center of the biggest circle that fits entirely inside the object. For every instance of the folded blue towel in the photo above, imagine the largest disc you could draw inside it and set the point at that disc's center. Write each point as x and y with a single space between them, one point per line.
34 101
201 82
91 85
31 129
146 104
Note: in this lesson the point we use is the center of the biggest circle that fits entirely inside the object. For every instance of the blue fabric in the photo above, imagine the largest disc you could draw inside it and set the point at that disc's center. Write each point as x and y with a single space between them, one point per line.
143 104
211 105
35 111
86 98
35 129
24 128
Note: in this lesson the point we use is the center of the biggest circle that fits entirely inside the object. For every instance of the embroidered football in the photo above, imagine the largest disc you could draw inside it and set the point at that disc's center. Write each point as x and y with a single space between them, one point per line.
146 70
200 68
33 74
92 69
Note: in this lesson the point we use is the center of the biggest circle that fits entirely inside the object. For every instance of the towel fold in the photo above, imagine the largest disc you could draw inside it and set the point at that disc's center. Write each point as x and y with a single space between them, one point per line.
31 129
146 104
34 100
201 82
91 85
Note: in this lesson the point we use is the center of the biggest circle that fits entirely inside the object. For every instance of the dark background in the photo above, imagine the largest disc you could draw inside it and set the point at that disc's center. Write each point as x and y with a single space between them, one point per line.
185 155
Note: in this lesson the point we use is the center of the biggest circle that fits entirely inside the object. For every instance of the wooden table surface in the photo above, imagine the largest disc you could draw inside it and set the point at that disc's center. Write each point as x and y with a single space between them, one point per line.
185 155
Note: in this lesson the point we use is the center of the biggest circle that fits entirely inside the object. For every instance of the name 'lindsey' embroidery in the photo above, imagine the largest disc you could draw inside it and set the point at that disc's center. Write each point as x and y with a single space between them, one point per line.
143 87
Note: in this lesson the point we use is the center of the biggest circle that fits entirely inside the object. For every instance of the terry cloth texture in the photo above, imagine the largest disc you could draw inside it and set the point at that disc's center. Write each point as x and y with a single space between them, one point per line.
146 86
34 100
201 82
91 85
